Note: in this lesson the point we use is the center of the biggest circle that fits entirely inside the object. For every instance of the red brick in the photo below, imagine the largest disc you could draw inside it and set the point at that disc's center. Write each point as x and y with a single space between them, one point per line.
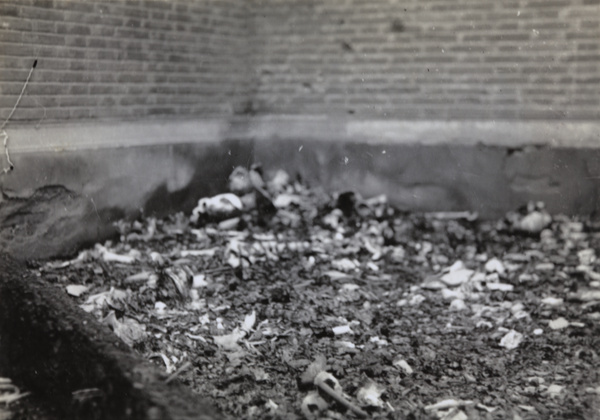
41 14
215 53
584 57
7 9
582 35
132 33
78 90
73 5
133 12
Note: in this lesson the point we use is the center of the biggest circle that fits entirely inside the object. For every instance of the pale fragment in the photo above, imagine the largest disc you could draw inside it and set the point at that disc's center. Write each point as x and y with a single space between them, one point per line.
404 366
494 265
554 390
342 329
313 405
229 342
370 394
502 287
558 323
77 289
552 301
511 340
457 277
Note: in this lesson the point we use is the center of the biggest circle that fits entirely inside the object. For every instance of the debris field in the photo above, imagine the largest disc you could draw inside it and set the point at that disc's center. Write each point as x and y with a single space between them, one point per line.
277 300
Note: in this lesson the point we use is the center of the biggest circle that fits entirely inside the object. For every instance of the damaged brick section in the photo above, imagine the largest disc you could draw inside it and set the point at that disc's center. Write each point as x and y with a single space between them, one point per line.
61 354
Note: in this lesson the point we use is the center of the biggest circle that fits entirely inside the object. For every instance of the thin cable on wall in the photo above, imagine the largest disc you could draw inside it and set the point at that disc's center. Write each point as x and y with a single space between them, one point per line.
3 132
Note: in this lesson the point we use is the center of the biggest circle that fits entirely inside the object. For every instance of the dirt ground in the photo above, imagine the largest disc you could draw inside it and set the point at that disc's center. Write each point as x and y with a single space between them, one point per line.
333 306
28 408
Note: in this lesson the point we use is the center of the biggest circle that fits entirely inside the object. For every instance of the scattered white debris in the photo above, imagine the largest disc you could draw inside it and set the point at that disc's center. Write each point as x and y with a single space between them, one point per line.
445 404
345 264
458 305
492 278
349 287
502 287
271 406
249 321
102 299
221 205
511 340
486 408
484 324
128 329
526 277
403 364
494 265
77 289
457 277
547 266
9 393
552 301
558 324
586 295
587 256
313 405
196 337
518 310
285 200
345 344
456 274
210 252
199 280
554 390
416 300
380 342
370 394
138 277
337 275
229 342
433 283
456 415
372 266
534 222
342 329
398 253
451 294
110 256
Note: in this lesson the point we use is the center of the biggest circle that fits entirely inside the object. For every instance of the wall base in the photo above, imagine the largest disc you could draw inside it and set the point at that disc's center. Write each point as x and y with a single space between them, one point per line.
128 169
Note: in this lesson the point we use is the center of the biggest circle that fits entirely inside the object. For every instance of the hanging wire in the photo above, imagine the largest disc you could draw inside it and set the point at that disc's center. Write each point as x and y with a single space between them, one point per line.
3 132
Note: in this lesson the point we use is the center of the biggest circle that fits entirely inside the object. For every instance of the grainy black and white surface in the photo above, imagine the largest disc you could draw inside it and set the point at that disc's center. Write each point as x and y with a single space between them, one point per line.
491 319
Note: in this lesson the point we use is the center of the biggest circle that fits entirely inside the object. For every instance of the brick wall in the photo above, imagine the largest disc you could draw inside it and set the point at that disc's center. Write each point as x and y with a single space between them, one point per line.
384 59
429 59
121 59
